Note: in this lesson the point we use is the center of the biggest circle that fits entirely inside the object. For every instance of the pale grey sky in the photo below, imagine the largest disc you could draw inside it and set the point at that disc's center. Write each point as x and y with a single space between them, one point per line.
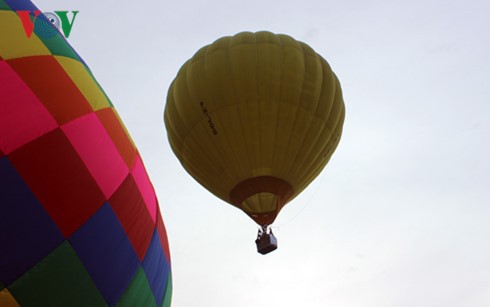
401 215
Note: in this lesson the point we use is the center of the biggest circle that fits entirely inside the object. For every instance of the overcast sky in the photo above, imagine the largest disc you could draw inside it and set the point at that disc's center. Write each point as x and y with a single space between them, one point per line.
401 214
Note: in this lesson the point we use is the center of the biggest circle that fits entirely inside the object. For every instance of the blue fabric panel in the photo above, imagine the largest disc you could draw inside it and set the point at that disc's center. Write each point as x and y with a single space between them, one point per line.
29 231
106 252
19 5
156 268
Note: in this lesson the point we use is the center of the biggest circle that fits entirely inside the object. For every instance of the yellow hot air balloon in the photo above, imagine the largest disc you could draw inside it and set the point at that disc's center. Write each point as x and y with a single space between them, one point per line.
254 118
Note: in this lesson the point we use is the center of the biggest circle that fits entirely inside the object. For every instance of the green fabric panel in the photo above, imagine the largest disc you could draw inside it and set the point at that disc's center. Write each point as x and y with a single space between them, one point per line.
167 298
60 279
138 293
58 46
1 286
4 6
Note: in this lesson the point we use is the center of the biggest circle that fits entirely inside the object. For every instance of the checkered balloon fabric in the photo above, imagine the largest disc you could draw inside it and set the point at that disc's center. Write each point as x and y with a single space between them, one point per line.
79 219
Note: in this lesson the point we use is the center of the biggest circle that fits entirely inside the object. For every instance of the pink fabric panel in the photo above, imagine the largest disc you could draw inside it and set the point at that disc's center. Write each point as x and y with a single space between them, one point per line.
23 117
98 152
144 185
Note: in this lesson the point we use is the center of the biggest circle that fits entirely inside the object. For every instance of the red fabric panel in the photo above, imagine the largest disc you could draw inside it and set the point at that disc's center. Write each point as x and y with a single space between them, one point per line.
145 187
59 179
22 116
118 135
90 139
131 211
52 85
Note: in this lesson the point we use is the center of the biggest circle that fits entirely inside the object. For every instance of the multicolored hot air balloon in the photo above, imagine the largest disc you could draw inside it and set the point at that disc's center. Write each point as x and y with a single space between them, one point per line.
80 224
254 118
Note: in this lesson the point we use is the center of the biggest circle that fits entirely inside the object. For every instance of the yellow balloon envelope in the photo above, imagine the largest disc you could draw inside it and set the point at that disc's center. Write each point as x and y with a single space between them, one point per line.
254 118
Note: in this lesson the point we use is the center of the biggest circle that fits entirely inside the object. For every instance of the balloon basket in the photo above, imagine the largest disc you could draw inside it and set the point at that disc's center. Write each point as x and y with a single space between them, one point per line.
266 243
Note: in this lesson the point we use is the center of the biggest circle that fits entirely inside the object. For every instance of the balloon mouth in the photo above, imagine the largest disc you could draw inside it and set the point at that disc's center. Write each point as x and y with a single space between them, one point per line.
262 197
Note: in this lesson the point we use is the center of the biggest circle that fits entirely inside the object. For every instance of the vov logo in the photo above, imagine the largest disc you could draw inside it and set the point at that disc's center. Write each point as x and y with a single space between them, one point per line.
43 25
